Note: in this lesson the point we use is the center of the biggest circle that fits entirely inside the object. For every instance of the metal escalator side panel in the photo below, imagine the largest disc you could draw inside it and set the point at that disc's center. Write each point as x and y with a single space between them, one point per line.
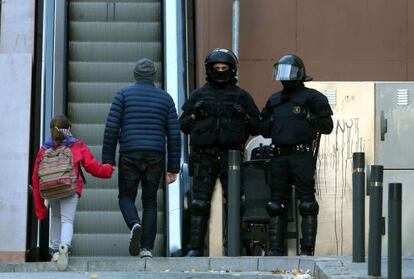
175 80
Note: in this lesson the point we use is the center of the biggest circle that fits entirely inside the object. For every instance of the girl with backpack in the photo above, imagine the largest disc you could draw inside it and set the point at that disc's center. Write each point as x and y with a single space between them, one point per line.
57 179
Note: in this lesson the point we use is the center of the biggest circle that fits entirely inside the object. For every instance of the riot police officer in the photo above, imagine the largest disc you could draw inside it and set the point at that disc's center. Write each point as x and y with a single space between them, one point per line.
219 117
294 118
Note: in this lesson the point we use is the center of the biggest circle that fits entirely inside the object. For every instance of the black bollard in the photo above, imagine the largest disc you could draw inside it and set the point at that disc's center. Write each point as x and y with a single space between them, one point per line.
367 181
233 204
394 230
358 208
375 221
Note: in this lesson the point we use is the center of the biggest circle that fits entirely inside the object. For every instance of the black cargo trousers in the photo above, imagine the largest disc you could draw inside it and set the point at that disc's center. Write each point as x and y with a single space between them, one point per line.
298 169
206 165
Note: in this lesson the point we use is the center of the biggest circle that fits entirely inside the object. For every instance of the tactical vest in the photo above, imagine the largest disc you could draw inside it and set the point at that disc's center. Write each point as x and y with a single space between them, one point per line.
290 124
221 124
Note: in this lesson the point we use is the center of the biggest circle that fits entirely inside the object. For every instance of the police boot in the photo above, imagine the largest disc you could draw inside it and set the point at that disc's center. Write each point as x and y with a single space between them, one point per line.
277 231
198 231
309 210
309 227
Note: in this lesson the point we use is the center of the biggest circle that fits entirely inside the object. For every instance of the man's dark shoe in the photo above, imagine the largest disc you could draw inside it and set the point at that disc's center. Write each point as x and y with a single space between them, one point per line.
194 253
275 253
145 253
306 252
135 240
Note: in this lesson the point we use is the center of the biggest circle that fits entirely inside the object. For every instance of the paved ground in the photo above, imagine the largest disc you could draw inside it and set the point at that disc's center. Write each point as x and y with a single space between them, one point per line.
203 268
133 275
343 267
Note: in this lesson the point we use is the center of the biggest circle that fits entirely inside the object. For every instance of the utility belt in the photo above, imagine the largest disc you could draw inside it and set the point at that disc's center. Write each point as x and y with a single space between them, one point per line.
208 151
214 151
196 156
286 150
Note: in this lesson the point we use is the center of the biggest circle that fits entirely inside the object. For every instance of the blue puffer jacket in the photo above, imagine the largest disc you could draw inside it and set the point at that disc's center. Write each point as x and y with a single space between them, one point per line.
143 118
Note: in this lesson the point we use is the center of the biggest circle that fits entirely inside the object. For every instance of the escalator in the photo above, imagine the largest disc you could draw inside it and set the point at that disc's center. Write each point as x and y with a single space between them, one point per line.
105 38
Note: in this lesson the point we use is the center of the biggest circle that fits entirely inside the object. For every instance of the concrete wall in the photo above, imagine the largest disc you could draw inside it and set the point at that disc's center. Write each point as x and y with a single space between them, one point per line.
338 40
16 56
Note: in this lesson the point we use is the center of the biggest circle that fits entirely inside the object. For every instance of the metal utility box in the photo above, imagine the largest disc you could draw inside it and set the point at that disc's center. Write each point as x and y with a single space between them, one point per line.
394 127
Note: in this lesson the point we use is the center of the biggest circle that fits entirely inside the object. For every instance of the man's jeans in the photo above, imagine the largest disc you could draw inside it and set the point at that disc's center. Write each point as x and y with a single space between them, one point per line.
148 168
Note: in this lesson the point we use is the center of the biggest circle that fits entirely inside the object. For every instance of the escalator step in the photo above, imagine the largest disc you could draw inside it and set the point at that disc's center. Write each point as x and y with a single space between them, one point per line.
95 92
114 52
139 11
105 71
115 31
81 112
104 200
107 222
89 133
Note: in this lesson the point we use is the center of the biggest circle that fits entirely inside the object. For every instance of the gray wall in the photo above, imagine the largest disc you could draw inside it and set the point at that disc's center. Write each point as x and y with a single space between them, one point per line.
16 55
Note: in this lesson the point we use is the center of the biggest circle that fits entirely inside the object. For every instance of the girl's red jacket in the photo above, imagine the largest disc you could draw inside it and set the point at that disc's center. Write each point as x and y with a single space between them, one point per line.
81 153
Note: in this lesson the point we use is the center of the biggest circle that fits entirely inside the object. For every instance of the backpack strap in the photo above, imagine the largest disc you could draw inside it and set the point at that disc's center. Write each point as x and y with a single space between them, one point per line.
81 173
80 169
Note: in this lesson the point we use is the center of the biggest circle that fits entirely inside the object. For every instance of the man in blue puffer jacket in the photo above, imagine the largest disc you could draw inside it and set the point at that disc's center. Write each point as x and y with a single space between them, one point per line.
144 120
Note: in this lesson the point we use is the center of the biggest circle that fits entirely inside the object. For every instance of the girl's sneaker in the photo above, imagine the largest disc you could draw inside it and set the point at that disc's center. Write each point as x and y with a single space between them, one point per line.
62 262
55 256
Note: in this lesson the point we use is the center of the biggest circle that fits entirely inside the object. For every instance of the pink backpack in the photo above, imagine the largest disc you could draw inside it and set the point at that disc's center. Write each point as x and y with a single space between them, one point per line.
57 178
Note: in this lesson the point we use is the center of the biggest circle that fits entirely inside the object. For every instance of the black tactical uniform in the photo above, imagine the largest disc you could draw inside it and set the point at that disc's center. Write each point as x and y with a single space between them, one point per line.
219 117
293 118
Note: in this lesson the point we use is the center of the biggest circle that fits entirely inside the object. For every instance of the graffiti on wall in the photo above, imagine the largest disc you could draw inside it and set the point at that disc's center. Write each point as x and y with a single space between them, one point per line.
334 174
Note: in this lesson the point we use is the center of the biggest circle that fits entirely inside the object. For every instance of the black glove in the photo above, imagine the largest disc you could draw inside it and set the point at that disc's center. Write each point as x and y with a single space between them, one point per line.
239 109
199 111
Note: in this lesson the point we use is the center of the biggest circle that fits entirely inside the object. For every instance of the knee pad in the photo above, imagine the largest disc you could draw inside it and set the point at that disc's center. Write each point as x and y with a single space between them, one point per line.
275 208
309 207
200 207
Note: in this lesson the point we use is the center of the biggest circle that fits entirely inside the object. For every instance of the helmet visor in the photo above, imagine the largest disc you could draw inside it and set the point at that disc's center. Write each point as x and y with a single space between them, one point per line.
286 72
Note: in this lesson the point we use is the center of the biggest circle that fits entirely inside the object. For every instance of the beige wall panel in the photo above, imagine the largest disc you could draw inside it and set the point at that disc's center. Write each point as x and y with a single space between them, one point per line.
353 132
215 225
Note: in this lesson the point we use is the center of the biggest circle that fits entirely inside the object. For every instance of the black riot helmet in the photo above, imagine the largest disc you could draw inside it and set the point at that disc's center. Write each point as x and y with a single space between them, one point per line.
290 67
221 55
